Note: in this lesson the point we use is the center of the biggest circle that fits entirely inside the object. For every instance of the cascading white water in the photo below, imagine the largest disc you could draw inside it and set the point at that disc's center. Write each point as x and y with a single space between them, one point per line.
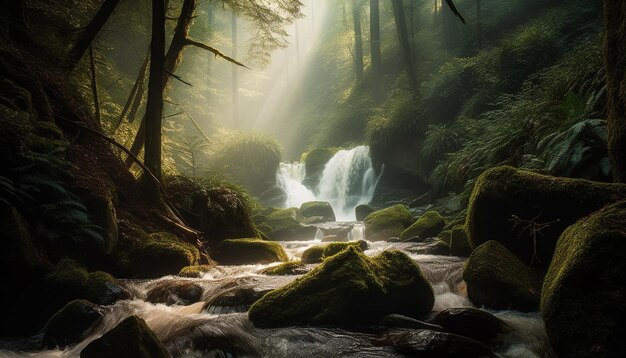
348 180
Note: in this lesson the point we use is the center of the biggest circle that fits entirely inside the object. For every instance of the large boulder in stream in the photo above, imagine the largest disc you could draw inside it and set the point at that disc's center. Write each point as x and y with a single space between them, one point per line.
314 162
160 254
386 223
71 324
526 212
318 208
348 288
362 211
317 254
426 226
584 290
249 251
174 292
497 279
131 338
457 241
286 225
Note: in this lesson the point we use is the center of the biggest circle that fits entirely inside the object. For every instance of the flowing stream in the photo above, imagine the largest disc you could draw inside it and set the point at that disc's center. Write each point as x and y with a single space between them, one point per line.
219 327
348 180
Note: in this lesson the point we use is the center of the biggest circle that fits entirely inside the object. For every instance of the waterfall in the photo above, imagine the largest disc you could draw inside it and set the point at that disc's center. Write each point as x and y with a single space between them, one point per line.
348 180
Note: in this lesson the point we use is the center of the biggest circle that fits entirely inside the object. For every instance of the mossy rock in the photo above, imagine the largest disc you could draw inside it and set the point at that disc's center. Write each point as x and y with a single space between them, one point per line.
286 225
71 324
287 268
584 290
348 288
314 162
505 200
497 279
426 226
390 222
249 251
160 255
334 248
131 338
313 255
318 208
195 271
175 292
362 211
457 240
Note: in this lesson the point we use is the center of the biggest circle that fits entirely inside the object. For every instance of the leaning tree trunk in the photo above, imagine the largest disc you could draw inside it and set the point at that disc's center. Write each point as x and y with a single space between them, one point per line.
615 57
375 36
403 38
234 72
154 106
358 39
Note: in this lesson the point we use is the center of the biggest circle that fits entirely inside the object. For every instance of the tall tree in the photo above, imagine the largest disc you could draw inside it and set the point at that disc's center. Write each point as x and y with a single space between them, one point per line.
235 71
479 25
358 39
154 106
403 38
86 35
377 60
615 58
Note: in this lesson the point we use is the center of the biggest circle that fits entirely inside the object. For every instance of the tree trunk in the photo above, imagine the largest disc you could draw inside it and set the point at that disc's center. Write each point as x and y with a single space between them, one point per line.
94 85
479 25
403 38
235 72
358 40
154 107
615 57
377 61
87 35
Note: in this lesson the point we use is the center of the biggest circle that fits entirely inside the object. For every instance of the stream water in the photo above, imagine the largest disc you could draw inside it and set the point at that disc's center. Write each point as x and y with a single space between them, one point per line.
219 327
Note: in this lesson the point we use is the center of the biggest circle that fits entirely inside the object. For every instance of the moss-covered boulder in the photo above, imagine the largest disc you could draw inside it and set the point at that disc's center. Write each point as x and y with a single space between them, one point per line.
314 162
497 279
286 225
71 324
313 255
426 226
212 208
348 288
131 338
584 289
362 211
249 251
318 208
195 271
457 240
159 255
526 212
317 254
287 268
390 222
175 292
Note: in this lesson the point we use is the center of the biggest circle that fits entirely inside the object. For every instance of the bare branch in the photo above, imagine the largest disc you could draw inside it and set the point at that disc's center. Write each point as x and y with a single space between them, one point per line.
217 53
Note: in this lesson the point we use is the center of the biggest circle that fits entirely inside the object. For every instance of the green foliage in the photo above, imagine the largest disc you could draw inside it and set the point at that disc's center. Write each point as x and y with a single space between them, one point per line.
440 140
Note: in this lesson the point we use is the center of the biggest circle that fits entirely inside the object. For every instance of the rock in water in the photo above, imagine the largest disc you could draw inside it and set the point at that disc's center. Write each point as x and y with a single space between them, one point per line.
390 222
318 208
499 280
131 338
471 322
286 225
362 211
348 288
506 200
71 324
426 226
584 290
427 343
249 251
159 255
173 292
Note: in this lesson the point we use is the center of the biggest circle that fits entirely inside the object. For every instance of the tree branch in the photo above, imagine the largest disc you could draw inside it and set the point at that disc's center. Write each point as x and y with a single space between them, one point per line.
217 53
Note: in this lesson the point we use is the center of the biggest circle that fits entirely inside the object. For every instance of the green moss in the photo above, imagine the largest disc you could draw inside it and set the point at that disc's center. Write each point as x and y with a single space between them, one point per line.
497 279
313 254
131 338
287 268
70 324
428 225
334 248
286 224
68 277
456 238
194 271
362 211
284 218
583 294
348 288
318 208
160 255
249 251
505 200
314 162
386 223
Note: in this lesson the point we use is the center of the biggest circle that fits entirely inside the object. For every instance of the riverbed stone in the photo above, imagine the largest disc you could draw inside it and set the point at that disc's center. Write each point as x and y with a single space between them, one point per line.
428 343
317 254
348 288
131 338
286 225
389 222
362 211
497 279
195 271
160 254
426 226
287 268
471 322
506 200
71 324
249 251
584 290
318 208
175 292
